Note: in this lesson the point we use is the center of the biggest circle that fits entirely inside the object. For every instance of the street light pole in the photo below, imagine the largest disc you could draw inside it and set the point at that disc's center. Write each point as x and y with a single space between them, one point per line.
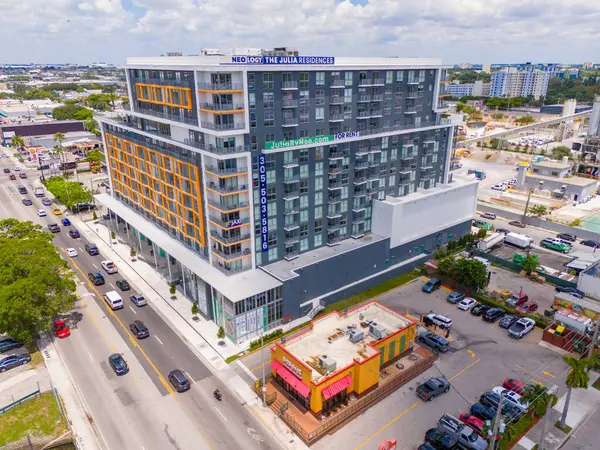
497 422
263 388
552 391
595 337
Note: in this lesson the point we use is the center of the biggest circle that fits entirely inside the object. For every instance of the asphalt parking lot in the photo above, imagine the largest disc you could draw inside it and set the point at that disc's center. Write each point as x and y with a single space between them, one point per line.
546 258
481 355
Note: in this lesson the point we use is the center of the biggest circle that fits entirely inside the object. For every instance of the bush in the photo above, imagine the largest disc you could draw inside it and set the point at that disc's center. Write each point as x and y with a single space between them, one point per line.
268 337
514 432
68 192
575 223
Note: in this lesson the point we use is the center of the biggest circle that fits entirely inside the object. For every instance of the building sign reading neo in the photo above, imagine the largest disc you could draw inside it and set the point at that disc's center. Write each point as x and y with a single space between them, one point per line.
283 60
264 215
310 140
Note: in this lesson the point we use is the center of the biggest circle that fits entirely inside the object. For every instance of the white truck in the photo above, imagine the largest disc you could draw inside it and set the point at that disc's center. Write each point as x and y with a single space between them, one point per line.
489 242
518 240
574 321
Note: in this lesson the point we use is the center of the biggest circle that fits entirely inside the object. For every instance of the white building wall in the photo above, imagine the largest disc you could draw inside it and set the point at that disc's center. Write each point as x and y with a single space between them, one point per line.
590 285
420 214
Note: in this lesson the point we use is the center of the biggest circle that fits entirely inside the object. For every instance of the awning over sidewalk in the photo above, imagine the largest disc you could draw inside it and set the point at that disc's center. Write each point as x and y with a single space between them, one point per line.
337 387
290 379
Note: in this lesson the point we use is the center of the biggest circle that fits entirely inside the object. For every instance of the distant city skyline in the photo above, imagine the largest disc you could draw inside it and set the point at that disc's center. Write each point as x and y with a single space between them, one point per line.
83 31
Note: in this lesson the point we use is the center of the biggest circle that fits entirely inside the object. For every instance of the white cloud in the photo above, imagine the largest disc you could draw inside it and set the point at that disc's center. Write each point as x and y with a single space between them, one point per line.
455 30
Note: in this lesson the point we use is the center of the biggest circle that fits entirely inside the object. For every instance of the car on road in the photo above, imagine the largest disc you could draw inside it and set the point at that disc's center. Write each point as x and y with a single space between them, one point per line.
567 237
517 299
109 266
498 187
6 170
10 362
433 387
432 285
590 243
56 212
483 412
515 385
138 300
71 252
179 380
455 297
434 341
12 177
92 249
22 175
490 216
437 319
60 329
493 314
483 224
74 234
54 228
554 244
8 343
96 278
46 202
570 290
479 309
123 285
118 364
139 330
41 213
440 440
507 321
466 304
26 202
492 400
516 223
502 230
22 190
521 328
66 222
511 397
17 168
527 307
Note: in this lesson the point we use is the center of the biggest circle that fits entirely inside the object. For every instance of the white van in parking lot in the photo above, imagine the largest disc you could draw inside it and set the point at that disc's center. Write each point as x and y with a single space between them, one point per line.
114 300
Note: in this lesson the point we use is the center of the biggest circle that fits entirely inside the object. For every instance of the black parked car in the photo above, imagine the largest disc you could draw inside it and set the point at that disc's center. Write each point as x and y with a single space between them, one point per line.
54 228
118 364
590 243
8 343
567 237
502 230
479 309
483 412
507 321
570 290
439 439
179 381
433 387
493 314
139 330
123 285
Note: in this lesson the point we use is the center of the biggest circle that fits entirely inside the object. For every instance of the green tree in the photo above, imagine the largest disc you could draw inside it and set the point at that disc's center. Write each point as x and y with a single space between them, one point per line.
196 310
72 111
35 282
497 116
537 396
560 151
18 142
172 289
471 273
524 120
577 378
92 126
460 107
494 142
531 264
538 210
94 156
221 333
132 253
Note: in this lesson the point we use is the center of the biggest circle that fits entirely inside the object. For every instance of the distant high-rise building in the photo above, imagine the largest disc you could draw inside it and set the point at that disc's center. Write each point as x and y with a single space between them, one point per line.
511 82
465 65
588 65
476 89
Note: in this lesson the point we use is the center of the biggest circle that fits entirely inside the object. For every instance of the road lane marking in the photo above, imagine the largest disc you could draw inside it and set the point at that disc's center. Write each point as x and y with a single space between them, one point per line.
464 370
537 375
188 375
91 357
259 366
545 372
80 249
471 352
132 310
156 337
93 264
221 414
112 285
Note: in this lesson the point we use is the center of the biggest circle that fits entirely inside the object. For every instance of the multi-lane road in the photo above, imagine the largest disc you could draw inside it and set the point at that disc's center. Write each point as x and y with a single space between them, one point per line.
140 409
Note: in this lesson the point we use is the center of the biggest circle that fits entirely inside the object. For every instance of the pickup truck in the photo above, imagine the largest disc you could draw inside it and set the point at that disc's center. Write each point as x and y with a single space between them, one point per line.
433 387
39 192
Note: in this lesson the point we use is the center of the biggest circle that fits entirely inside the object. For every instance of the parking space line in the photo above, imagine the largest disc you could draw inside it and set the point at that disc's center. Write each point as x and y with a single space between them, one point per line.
112 285
537 375
91 357
221 414
80 249
132 310
156 337
93 264
188 375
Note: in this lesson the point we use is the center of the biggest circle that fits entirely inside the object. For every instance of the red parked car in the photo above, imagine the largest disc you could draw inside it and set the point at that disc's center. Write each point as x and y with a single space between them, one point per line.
476 424
527 307
514 385
61 330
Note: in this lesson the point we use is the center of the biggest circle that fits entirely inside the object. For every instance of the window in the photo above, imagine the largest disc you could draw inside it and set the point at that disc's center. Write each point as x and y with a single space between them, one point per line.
303 186
348 78
272 209
320 132
303 245
319 168
304 230
320 78
254 141
304 80
304 155
269 137
389 77
304 216
268 99
319 157
391 181
319 114
344 192
347 95
384 156
269 118
399 76
267 81
303 133
272 254
320 97
304 171
250 81
347 111
288 135
318 212
304 114
304 97
318 226
384 142
252 100
252 120
271 194
318 240
394 154
304 201
318 198
318 183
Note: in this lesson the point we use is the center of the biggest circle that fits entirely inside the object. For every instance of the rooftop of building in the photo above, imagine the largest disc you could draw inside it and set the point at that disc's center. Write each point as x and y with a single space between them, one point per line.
285 270
552 165
457 182
573 181
345 337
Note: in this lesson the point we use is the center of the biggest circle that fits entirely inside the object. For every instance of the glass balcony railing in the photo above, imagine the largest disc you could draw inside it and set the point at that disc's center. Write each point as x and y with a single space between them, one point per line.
223 126
221 86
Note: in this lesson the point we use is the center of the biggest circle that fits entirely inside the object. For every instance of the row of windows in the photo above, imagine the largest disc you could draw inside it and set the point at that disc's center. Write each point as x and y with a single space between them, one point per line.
175 97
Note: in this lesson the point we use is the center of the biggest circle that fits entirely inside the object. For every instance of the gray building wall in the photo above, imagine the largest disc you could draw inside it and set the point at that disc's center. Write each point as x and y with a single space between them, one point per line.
573 191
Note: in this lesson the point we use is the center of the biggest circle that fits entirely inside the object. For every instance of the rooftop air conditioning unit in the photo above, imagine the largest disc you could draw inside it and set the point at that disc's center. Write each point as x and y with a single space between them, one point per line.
377 331
327 363
356 336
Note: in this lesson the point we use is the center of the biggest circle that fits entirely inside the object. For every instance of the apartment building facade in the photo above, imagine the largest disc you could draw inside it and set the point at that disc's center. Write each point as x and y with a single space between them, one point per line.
476 89
511 82
259 179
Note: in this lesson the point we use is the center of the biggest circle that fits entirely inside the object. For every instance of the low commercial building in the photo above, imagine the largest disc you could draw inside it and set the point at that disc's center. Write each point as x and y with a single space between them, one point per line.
340 354
7 131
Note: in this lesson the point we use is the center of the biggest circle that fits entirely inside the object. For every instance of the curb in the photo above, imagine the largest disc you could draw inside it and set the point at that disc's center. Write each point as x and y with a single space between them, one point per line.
585 419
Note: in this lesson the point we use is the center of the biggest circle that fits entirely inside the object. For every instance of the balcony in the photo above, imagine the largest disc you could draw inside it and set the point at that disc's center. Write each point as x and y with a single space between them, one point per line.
360 180
291 195
167 116
292 240
336 82
334 185
162 82
291 179
290 122
291 210
362 206
228 207
334 214
411 95
227 107
376 113
231 255
375 149
334 170
226 171
414 81
363 115
290 164
332 241
286 85
223 126
358 220
410 110
364 98
220 86
361 165
291 227
362 151
374 163
229 240
407 163
378 82
332 200
287 103
373 175
336 100
365 82
291 255
377 97
230 223
336 117
337 154
226 189
230 270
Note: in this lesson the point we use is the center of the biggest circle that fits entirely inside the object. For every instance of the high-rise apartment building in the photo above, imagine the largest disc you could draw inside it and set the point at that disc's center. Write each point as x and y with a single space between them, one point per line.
511 82
271 185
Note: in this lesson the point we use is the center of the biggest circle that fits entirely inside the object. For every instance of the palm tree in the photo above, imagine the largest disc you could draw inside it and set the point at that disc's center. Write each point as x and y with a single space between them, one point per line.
577 378
60 151
537 396
18 142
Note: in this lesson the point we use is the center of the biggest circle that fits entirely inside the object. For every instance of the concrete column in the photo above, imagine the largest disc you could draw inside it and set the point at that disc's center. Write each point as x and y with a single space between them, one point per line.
169 267
139 240
154 249
183 278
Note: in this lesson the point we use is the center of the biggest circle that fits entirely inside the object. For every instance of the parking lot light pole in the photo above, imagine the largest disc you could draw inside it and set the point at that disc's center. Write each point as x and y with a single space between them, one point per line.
497 422
552 391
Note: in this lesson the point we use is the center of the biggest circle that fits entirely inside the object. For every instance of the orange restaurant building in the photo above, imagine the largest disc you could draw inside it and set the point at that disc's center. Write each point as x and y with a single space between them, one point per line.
341 353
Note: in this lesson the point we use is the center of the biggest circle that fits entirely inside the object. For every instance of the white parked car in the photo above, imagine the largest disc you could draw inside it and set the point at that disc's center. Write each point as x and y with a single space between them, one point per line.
71 252
521 327
439 320
109 266
466 303
512 398
41 213
498 187
17 168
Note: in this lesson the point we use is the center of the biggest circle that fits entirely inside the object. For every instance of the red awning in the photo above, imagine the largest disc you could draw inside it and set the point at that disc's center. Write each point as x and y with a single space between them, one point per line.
290 378
337 387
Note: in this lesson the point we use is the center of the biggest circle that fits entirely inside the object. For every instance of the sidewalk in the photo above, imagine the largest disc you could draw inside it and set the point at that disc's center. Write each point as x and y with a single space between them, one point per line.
200 335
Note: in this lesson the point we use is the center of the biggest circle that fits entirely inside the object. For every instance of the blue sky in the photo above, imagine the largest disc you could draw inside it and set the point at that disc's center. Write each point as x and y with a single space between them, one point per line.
457 31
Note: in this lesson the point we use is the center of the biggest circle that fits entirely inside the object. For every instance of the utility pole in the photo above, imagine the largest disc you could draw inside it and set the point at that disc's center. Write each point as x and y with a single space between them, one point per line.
497 422
595 337
263 388
552 391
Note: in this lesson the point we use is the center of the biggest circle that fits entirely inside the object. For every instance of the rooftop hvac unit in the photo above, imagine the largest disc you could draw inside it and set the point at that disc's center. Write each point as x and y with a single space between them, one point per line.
377 331
327 363
356 336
